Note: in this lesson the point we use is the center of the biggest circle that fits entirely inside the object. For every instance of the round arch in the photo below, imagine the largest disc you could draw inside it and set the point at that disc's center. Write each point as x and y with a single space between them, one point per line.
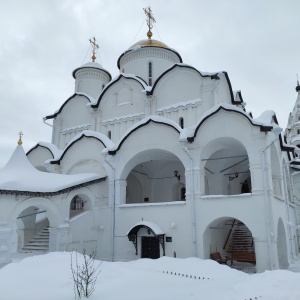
229 237
225 160
156 174
282 246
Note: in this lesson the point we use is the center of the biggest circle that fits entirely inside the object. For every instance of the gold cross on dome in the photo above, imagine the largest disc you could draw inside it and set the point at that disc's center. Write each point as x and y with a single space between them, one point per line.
150 20
95 46
20 138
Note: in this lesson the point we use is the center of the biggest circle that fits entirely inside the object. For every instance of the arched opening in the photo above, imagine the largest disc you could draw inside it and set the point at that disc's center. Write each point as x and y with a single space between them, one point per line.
33 230
157 176
226 166
282 246
232 239
79 204
147 238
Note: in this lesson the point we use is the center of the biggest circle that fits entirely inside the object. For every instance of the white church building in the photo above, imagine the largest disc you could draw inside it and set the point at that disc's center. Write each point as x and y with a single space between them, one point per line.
161 160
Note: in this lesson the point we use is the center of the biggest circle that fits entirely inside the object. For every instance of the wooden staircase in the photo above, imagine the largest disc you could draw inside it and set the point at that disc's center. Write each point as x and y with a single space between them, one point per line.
39 243
240 241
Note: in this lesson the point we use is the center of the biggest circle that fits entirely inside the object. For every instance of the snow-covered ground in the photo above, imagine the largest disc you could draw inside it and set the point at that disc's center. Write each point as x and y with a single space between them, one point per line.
48 277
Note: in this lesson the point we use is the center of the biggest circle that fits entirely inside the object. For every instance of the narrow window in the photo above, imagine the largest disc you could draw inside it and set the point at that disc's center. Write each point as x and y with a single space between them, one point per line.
150 73
298 131
181 122
103 85
109 134
182 193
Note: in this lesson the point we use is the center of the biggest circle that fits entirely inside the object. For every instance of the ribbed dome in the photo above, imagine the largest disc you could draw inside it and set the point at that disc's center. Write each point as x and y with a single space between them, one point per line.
150 43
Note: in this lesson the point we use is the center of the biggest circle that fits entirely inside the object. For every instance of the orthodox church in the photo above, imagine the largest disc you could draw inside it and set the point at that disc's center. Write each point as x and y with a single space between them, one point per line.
161 160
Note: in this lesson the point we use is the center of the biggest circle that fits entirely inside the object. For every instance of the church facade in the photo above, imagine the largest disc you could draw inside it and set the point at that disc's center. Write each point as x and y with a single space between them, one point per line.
161 160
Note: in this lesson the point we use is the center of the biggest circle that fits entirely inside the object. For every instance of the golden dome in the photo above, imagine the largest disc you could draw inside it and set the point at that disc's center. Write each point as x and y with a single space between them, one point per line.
150 43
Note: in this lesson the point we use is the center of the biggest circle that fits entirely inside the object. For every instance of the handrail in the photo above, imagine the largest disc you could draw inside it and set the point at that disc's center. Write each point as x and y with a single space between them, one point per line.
229 234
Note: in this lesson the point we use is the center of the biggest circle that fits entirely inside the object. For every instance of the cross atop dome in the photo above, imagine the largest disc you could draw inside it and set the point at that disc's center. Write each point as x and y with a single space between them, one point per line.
95 46
20 138
150 21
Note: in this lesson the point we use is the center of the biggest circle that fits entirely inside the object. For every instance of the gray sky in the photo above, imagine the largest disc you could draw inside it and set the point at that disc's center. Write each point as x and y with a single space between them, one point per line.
41 42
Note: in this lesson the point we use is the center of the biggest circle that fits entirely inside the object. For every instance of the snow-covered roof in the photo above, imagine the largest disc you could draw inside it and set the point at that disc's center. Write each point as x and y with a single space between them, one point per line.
54 115
107 143
154 227
19 175
264 121
95 103
143 122
51 147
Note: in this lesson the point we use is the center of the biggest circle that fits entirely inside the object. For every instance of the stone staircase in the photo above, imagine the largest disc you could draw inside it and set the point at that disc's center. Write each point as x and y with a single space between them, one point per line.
39 243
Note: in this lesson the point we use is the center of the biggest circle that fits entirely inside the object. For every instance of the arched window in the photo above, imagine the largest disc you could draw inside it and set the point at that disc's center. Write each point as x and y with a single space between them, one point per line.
150 73
109 134
181 122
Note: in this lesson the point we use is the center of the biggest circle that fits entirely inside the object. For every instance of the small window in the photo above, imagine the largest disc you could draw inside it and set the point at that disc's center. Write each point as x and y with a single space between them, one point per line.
182 193
298 131
109 134
103 86
123 70
181 122
150 73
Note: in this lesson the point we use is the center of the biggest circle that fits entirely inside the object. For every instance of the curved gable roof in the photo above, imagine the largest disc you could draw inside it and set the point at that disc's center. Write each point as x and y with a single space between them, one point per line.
229 108
142 123
114 81
104 140
50 147
65 103
213 76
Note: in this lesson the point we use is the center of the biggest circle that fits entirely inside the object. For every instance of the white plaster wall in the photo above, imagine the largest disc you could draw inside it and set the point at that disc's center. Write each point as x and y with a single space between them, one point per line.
174 226
136 62
90 81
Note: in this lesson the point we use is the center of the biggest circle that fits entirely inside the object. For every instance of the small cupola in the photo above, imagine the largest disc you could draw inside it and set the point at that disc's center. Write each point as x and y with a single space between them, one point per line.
91 78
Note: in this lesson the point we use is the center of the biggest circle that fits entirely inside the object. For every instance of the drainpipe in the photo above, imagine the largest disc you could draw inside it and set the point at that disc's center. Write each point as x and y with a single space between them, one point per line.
192 199
267 197
105 154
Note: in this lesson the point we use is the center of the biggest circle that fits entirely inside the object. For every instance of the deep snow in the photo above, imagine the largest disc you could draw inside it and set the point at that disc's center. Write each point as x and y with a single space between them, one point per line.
48 277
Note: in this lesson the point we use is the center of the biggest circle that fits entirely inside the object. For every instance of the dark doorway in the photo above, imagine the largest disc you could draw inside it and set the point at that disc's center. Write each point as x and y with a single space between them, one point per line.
150 247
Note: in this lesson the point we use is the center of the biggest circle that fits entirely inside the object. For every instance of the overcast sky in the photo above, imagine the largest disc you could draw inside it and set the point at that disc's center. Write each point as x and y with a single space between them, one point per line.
41 42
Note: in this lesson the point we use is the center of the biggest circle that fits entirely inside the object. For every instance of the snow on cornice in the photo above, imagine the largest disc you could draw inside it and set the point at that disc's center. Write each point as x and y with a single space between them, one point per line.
144 121
266 118
18 175
106 142
51 147
180 104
